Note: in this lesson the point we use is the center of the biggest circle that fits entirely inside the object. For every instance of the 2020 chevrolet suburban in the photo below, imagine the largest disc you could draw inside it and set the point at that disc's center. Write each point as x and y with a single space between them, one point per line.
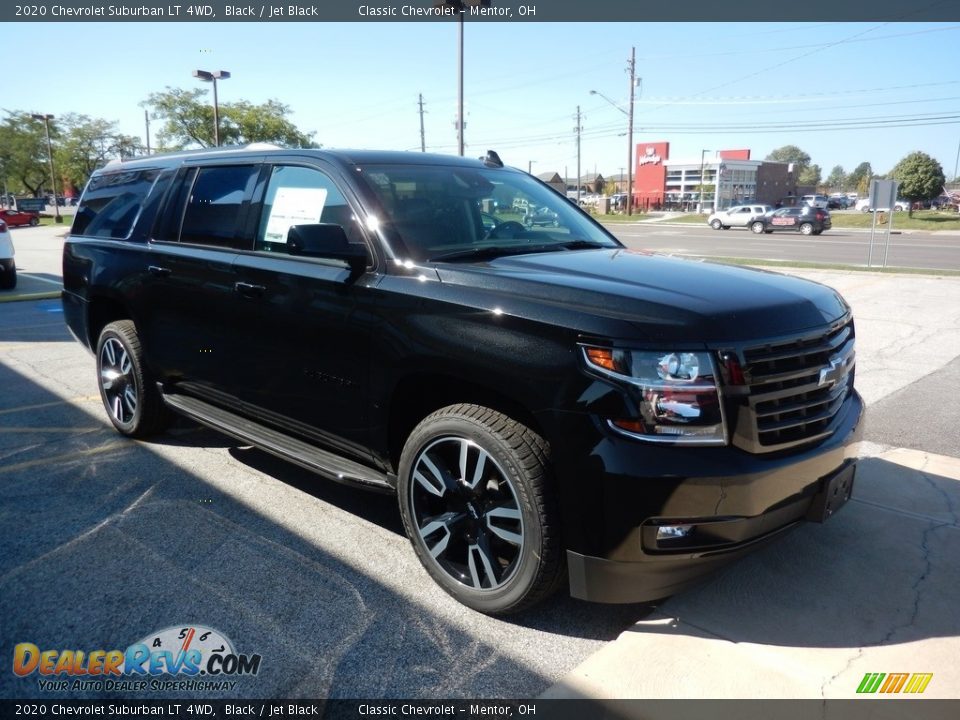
548 406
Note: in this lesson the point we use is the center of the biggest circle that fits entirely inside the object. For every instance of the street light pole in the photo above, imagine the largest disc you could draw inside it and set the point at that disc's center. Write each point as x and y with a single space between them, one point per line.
633 80
208 76
629 113
703 154
53 178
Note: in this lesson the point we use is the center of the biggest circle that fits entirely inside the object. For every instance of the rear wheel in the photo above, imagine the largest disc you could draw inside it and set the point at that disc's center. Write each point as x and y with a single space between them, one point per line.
806 229
757 227
128 391
474 497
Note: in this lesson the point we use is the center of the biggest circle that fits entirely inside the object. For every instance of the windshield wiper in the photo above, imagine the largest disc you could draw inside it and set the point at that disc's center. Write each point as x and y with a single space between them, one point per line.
494 251
584 245
487 252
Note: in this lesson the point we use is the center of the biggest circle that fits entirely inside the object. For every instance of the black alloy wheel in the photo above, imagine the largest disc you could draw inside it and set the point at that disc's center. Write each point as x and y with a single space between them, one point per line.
129 394
475 503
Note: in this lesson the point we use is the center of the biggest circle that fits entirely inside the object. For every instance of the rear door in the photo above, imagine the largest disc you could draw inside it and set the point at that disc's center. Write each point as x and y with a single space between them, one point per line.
191 287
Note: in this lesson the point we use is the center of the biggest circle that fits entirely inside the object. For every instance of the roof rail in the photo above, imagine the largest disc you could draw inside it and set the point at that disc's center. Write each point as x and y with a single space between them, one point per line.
253 146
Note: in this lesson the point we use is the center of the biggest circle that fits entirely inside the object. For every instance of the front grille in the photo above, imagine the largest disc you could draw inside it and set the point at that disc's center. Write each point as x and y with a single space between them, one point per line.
798 385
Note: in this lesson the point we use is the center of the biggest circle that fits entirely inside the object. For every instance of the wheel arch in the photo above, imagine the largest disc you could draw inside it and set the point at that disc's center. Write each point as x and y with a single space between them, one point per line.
419 394
101 311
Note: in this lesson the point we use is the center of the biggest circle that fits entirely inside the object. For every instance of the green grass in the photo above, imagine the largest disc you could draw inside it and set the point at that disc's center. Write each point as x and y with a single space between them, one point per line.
51 220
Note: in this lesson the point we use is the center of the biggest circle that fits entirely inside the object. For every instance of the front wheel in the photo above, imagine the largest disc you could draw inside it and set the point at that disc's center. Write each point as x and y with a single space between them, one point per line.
34 222
8 278
716 224
757 227
129 393
476 504
806 229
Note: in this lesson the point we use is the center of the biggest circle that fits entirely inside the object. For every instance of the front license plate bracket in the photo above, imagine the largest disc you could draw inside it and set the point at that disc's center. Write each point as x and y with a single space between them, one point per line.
833 495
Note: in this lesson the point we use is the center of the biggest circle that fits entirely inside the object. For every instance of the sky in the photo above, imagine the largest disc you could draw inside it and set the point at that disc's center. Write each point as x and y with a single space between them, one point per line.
845 93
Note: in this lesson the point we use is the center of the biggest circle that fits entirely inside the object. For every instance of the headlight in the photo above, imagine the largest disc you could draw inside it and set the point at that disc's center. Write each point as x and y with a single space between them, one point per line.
676 393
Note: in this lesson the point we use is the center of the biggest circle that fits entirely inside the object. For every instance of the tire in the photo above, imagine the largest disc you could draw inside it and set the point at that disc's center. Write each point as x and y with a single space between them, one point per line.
716 224
9 279
806 229
757 227
476 504
34 222
128 391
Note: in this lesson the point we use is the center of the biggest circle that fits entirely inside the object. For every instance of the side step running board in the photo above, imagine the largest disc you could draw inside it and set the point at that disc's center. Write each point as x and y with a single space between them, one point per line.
313 458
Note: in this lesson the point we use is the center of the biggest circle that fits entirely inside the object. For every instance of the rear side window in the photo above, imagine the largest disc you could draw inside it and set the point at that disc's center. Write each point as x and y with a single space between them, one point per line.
217 206
112 202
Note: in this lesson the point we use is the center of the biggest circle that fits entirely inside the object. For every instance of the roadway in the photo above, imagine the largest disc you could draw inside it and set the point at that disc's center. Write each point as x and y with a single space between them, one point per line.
909 249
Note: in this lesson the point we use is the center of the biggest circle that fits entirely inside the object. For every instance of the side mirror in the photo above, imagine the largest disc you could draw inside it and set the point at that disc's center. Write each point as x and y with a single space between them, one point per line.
324 240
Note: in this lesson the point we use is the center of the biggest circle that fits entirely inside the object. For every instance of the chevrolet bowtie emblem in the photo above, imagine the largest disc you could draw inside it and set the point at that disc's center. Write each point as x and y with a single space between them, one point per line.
832 374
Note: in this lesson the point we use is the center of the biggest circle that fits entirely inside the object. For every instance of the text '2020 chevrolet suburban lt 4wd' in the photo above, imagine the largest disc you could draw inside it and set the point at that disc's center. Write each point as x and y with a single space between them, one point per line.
545 403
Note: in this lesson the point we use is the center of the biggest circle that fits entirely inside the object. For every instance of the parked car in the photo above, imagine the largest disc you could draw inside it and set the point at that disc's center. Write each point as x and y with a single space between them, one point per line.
863 205
542 215
837 202
736 216
8 266
817 201
803 219
549 407
13 218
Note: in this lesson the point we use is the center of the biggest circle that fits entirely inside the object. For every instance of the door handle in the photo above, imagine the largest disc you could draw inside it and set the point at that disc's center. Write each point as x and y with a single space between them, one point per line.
158 271
248 290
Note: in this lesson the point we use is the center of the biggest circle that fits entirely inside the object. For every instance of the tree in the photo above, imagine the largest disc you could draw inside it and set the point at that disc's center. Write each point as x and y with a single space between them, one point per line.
23 152
810 175
835 180
793 154
88 143
920 177
188 121
863 172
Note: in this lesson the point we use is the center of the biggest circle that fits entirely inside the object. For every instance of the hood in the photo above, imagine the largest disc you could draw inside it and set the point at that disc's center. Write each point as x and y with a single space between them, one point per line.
661 297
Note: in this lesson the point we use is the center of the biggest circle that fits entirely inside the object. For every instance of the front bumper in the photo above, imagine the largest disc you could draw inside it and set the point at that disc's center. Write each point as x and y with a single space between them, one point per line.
616 498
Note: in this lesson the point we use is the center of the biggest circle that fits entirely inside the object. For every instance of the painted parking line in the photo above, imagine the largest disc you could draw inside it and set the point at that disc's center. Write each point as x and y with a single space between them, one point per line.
15 297
39 406
68 457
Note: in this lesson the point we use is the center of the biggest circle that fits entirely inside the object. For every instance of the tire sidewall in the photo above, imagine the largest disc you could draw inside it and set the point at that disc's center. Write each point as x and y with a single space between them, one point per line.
519 585
132 427
757 228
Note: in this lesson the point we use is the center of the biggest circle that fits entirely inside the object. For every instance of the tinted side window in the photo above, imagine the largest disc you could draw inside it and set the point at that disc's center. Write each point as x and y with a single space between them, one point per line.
300 195
112 202
217 205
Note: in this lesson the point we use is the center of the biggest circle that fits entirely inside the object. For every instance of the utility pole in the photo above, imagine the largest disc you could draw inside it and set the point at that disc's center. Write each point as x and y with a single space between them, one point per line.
146 120
578 129
423 142
460 90
632 69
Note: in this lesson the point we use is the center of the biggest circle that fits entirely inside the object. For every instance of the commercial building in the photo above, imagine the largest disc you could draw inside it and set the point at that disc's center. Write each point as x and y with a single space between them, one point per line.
712 180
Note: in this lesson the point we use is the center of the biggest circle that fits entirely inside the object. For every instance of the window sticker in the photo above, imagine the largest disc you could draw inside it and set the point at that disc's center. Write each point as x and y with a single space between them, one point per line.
293 206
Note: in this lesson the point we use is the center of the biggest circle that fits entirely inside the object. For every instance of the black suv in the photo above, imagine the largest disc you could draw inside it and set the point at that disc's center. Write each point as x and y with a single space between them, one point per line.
545 403
803 218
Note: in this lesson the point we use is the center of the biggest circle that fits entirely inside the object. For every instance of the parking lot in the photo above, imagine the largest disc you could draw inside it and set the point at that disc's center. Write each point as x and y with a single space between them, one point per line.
107 540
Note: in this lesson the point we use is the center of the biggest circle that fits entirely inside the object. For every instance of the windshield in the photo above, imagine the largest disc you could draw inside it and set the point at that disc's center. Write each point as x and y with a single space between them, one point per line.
440 212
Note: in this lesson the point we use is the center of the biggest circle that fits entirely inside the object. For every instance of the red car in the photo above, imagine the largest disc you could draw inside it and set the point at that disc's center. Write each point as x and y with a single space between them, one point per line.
15 217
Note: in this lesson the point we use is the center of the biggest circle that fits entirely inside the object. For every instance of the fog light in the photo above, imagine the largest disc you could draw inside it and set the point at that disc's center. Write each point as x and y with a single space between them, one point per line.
673 532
